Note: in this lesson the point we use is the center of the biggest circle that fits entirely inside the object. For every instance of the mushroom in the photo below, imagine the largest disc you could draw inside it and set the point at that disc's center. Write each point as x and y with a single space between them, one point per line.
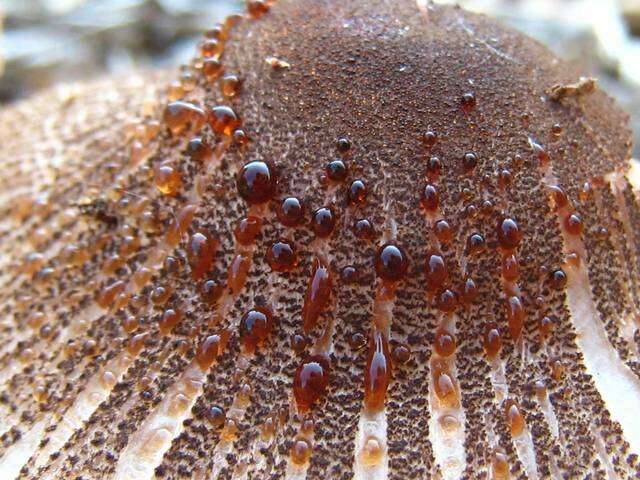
362 239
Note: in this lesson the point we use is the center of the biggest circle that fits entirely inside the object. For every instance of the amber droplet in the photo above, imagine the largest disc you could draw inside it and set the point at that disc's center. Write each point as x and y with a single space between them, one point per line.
160 295
515 316
429 139
469 162
170 318
475 243
437 273
130 324
247 230
179 224
108 294
377 373
323 221
343 145
201 251
182 116
391 262
230 86
310 381
499 466
559 197
430 198
282 256
317 295
492 341
199 150
212 69
257 8
291 212
558 279
363 229
468 101
401 354
298 344
357 192
443 384
349 275
336 170
514 417
211 48
237 273
256 182
211 291
540 153
443 231
167 179
446 300
434 168
255 327
216 416
210 349
136 344
545 328
573 224
445 343
510 268
509 234
300 452
223 120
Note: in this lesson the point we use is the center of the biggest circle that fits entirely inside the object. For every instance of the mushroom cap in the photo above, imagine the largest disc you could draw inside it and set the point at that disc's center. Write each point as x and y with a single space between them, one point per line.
119 360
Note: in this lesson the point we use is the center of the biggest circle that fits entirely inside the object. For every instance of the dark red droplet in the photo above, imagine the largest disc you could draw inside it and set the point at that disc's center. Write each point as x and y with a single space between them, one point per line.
434 168
468 101
317 295
430 198
446 300
429 139
282 256
336 170
436 270
256 182
363 229
475 243
323 221
247 230
377 373
469 162
357 192
223 120
291 212
310 381
509 234
391 262
343 145
201 251
255 327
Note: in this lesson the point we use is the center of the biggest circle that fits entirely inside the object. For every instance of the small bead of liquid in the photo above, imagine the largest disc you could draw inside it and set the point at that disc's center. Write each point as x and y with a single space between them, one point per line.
209 350
401 354
437 273
256 182
475 243
212 69
357 192
167 179
443 231
179 224
230 86
336 170
182 116
545 328
237 273
514 417
372 451
323 221
255 327
492 341
291 212
559 197
434 168
363 229
349 275
136 344
429 139
468 101
343 145
558 279
223 120
444 385
211 291
377 374
300 452
445 343
201 251
282 256
469 162
446 301
317 295
310 382
211 48
469 292
573 224
217 417
247 230
515 316
198 150
170 318
257 8
430 198
499 466
108 294
509 234
391 262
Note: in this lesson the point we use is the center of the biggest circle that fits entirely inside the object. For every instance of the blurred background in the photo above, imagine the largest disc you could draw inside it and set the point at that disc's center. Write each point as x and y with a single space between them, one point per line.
49 41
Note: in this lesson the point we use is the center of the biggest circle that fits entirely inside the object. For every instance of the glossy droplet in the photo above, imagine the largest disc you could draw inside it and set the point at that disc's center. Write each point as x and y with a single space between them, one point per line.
558 279
514 418
509 234
444 385
429 139
223 120
499 466
217 417
430 198
349 275
468 101
377 372
469 292
357 192
170 318
179 224
300 452
469 162
180 117
492 341
282 256
445 343
237 273
160 295
317 295
257 8
446 301
443 231
475 243
255 327
201 251
434 168
323 222
137 342
212 69
515 316
310 381
247 230
291 212
336 170
559 197
401 354
363 229
210 349
199 150
211 48
167 179
108 294
343 145
256 182
391 262
545 328
573 224
211 291
436 270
